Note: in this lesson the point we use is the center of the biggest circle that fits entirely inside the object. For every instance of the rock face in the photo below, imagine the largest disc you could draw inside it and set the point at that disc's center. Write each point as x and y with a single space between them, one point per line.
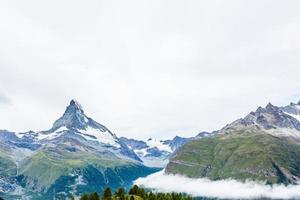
263 146
280 121
76 155
176 142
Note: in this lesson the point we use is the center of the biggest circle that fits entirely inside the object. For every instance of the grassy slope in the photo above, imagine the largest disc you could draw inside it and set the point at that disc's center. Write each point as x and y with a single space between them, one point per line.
7 165
56 170
47 166
243 155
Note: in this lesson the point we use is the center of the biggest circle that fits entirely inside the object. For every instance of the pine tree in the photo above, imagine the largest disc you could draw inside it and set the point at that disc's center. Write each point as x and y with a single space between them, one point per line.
94 196
134 193
107 194
152 196
142 193
134 190
121 193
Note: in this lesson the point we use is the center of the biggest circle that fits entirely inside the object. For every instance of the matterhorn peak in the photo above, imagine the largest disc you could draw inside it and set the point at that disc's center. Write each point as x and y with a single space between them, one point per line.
74 106
73 117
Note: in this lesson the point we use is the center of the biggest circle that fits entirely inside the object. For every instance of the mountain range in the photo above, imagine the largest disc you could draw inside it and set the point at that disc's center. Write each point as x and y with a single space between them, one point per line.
78 154
263 146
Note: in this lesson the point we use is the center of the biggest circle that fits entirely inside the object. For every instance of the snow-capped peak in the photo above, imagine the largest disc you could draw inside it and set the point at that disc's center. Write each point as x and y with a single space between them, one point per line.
279 121
75 122
73 117
76 105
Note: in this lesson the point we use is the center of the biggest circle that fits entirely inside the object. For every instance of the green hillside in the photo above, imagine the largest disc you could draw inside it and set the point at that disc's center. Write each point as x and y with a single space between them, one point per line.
47 165
7 165
247 154
56 170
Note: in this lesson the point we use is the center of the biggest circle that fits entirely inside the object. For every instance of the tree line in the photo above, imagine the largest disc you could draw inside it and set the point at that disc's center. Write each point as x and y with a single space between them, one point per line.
135 193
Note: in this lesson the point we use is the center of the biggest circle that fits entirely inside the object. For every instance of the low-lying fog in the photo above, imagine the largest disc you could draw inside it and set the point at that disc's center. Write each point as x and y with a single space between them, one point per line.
203 187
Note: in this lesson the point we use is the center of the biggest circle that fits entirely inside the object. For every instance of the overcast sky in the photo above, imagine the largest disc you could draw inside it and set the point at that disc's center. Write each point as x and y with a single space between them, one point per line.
146 68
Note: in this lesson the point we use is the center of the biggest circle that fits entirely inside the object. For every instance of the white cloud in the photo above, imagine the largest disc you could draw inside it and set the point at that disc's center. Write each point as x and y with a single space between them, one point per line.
224 189
147 68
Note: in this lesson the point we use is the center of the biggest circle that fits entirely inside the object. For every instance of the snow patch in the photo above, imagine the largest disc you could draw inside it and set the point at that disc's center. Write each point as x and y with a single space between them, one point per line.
50 136
159 144
160 162
287 132
104 137
154 161
294 116
86 119
141 152
19 135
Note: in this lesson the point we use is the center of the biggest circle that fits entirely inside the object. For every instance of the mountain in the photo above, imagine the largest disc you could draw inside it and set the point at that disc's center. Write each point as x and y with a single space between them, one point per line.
156 153
281 121
153 153
75 125
264 146
77 154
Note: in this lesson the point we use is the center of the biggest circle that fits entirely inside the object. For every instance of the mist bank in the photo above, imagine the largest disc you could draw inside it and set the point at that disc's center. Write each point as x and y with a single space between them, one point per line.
231 189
